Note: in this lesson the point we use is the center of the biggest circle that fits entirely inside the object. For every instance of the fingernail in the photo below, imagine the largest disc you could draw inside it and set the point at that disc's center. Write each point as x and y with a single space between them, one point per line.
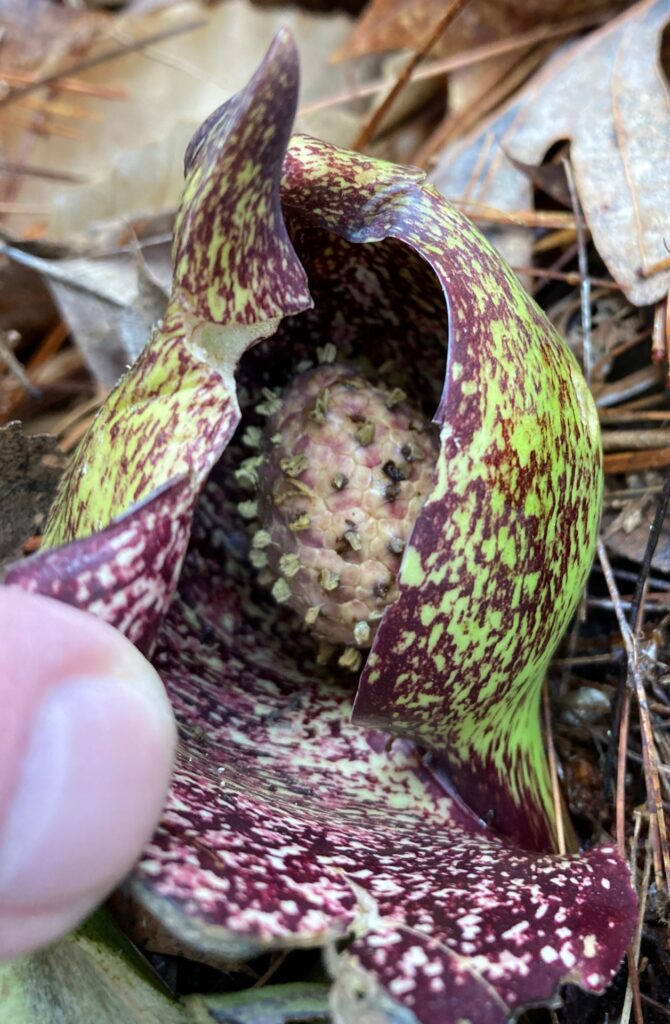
90 790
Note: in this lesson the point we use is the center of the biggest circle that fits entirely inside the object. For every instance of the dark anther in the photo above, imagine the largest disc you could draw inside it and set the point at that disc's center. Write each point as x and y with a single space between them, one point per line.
380 590
207 634
391 491
393 472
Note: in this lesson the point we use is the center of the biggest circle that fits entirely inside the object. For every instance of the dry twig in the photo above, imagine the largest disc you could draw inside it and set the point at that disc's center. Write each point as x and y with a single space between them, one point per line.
21 91
370 127
658 829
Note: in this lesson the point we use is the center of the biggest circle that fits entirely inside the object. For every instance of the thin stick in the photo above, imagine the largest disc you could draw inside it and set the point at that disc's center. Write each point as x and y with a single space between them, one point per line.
633 996
636 440
47 349
24 209
649 756
583 264
481 213
620 416
461 122
368 130
569 278
635 462
82 88
577 660
650 550
38 124
7 338
624 721
555 240
664 1010
635 619
51 270
101 58
31 171
628 392
659 606
457 61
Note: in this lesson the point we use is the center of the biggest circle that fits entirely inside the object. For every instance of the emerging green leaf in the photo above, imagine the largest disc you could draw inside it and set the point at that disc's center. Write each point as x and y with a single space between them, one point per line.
275 1004
93 975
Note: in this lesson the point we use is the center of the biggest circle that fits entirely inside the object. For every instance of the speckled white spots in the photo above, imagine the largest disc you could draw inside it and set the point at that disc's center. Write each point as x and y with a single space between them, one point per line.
401 986
382 939
568 957
505 965
469 925
387 887
589 946
153 868
413 958
549 954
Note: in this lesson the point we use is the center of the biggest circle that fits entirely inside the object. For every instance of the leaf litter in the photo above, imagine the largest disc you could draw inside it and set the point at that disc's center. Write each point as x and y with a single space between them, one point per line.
632 398
611 79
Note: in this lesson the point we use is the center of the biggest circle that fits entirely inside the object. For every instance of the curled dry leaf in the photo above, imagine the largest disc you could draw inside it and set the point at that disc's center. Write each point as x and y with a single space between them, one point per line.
288 824
608 96
112 296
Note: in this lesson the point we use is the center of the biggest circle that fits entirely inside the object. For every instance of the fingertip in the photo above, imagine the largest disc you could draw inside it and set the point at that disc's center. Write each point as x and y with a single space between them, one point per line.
93 750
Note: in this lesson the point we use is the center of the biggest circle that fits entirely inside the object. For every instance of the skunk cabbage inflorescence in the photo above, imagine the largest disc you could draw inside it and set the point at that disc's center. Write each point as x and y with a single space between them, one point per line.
366 507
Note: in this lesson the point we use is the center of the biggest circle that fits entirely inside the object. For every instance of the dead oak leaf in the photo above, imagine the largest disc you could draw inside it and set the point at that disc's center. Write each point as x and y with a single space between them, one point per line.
608 96
399 24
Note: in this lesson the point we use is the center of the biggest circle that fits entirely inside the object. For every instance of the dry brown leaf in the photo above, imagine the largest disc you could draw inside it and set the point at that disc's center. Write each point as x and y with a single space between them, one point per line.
30 468
608 95
130 151
401 24
110 293
626 532
39 34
